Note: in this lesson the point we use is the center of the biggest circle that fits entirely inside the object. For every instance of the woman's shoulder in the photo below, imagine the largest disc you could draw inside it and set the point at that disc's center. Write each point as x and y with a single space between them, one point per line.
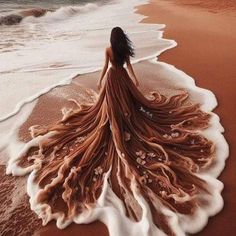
109 53
109 50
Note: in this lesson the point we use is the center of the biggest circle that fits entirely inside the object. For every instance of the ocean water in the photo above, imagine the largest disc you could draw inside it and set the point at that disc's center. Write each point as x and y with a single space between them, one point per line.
42 53
7 6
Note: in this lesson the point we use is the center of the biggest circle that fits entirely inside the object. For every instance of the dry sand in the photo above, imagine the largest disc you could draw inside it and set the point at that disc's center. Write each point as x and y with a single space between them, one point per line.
206 35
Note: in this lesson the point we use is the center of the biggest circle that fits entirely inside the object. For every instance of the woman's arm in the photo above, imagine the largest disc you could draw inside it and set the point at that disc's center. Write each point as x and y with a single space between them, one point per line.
131 71
104 69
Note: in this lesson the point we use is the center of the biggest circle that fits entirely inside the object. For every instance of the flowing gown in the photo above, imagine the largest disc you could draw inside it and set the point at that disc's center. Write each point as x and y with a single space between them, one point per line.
134 144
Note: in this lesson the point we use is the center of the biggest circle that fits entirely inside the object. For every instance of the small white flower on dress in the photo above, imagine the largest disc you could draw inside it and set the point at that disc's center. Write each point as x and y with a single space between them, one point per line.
149 113
162 184
201 150
146 176
138 153
151 154
162 193
141 109
80 139
106 153
98 170
122 154
166 136
192 141
139 160
143 162
146 112
141 154
175 135
143 180
170 112
94 179
160 159
127 136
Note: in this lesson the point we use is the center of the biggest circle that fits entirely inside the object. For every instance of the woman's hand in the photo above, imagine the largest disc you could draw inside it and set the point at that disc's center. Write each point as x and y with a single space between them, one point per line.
99 85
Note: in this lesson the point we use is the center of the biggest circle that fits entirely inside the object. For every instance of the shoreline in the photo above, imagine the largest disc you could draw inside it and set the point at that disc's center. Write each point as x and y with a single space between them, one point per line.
210 36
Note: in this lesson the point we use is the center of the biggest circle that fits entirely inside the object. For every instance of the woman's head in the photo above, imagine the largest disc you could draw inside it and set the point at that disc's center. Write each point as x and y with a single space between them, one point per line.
121 45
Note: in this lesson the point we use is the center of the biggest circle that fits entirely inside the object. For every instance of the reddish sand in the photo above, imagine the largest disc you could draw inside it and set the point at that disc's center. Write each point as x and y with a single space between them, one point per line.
206 51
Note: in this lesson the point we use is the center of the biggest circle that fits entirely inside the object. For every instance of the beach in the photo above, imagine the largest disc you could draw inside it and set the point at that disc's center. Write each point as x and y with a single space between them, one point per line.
205 50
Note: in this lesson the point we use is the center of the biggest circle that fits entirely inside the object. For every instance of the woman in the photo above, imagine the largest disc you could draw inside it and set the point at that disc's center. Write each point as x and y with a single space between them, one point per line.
125 144
119 53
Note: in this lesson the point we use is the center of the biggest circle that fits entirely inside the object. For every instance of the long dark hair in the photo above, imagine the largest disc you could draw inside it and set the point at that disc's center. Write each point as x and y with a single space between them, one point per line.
121 46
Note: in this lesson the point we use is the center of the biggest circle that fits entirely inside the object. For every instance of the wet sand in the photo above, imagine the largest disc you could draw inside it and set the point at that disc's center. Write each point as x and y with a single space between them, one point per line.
205 53
206 35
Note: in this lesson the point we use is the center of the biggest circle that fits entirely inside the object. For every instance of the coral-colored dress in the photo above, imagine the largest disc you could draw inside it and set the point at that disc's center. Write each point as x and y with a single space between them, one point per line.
135 145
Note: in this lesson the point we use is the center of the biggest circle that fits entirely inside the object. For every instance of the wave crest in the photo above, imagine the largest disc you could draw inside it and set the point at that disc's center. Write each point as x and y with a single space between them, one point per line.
46 14
66 12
